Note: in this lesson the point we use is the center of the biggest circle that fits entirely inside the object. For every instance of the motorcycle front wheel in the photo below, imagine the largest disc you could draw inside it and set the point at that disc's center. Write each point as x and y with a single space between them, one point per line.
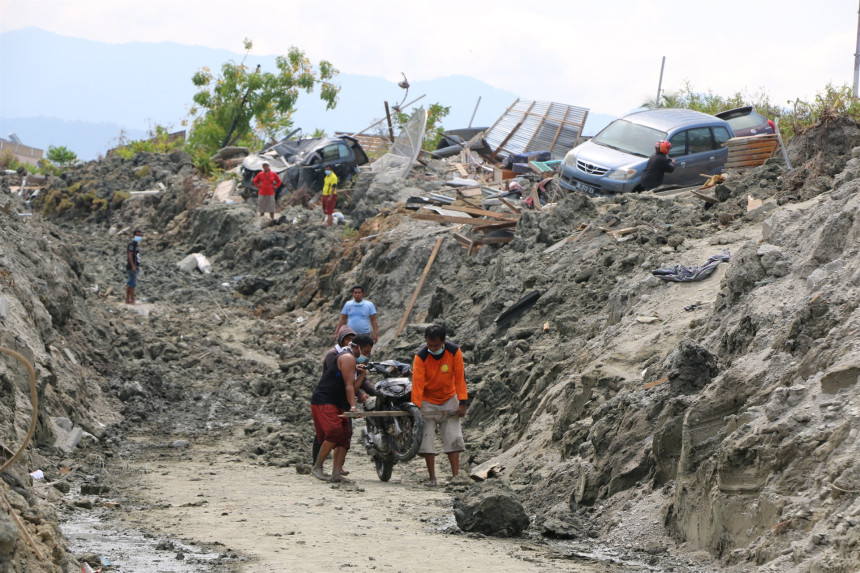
384 467
404 445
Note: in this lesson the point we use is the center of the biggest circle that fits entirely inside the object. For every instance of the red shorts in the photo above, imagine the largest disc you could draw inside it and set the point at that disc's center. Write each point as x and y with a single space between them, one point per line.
328 203
329 427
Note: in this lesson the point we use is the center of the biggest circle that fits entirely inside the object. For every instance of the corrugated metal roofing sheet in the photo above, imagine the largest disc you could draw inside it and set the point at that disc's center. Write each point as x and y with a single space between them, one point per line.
537 126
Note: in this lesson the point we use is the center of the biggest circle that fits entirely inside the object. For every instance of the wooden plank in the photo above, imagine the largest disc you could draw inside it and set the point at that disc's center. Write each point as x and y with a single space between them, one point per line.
446 219
509 205
372 414
662 380
759 151
752 141
463 240
462 170
420 284
705 197
496 226
563 242
755 149
470 192
760 158
482 212
535 198
760 137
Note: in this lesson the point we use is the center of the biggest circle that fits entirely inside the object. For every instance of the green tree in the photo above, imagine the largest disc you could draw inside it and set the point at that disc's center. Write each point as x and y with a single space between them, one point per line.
61 156
256 105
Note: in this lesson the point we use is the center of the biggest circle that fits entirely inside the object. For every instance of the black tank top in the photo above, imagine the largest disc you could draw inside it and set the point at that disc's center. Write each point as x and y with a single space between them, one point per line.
331 389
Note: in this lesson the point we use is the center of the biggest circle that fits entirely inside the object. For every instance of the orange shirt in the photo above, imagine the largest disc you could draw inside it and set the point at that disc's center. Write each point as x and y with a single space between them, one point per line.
437 380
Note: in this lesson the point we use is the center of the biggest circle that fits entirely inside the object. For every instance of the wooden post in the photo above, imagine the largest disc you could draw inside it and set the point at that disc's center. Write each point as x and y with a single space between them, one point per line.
390 127
418 288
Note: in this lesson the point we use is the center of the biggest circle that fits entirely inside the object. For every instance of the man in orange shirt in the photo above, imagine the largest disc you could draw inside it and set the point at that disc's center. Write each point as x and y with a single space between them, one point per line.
439 389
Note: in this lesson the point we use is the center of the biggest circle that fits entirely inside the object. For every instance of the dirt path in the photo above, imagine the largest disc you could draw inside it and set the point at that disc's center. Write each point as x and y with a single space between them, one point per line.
284 521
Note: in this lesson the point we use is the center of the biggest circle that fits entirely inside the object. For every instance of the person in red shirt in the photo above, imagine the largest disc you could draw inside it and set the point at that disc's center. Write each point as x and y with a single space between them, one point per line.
266 182
439 389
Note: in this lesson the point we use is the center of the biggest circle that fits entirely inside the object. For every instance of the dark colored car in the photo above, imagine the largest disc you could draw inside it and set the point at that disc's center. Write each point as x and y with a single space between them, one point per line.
746 121
302 162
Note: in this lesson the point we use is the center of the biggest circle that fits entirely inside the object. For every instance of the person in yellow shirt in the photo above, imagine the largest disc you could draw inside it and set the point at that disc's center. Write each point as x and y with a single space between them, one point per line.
329 195
439 389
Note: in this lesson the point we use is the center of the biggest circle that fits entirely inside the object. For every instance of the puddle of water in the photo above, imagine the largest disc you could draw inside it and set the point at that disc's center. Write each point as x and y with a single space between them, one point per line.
132 550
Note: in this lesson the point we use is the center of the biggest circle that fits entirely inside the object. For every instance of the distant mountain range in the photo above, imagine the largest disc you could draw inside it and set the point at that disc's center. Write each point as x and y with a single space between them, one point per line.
57 90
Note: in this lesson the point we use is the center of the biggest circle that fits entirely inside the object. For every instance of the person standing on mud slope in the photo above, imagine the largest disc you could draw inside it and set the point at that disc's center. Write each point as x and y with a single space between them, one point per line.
359 315
132 265
658 165
439 389
266 182
329 195
334 395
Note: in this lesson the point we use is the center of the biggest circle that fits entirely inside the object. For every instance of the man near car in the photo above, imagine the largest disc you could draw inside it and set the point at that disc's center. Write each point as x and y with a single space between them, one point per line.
658 165
359 315
334 395
329 195
266 181
439 390
132 265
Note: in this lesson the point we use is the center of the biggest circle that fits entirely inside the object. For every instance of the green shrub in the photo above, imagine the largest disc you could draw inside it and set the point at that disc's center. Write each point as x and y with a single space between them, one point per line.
118 198
143 171
7 158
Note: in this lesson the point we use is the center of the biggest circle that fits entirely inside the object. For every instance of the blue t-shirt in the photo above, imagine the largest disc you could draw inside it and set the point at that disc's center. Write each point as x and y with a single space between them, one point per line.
358 315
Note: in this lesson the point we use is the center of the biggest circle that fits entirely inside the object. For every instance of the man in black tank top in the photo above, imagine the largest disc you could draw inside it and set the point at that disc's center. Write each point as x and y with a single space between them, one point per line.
334 395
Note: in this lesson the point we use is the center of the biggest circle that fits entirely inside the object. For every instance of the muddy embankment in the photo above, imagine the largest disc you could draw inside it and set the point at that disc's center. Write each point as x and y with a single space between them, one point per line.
746 453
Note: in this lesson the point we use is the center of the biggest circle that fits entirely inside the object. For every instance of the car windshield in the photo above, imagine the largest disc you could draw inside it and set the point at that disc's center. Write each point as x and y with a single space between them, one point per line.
629 137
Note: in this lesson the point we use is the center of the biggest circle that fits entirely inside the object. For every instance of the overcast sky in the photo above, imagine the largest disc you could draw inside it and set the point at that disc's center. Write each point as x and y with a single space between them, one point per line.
604 55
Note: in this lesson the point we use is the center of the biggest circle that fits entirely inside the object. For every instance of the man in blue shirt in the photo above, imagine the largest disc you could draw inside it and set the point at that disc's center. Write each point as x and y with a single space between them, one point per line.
359 315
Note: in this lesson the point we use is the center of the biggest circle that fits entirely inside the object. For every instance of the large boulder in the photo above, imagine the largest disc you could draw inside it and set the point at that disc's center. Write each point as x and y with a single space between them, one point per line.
491 508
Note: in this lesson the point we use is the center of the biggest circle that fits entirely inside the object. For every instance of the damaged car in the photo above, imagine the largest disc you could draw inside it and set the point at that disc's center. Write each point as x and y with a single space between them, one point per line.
302 162
614 160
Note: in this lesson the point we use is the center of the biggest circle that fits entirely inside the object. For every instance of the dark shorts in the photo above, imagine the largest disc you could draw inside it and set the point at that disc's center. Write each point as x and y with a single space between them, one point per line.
132 278
329 427
328 203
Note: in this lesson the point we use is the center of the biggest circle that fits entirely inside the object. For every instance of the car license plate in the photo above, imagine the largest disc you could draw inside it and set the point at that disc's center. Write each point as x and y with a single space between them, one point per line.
580 186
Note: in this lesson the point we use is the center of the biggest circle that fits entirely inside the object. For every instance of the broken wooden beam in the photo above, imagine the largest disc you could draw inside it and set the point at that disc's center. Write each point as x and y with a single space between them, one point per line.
563 242
705 197
662 380
509 205
372 414
418 288
481 212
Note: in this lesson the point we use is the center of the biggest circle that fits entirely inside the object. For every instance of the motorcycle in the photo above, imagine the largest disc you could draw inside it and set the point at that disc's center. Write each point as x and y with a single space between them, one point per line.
393 425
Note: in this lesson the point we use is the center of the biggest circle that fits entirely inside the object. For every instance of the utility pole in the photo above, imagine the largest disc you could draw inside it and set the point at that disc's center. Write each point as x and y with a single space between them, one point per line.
857 56
660 83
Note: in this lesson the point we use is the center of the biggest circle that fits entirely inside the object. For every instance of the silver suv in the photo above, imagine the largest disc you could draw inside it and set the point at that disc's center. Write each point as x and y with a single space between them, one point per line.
612 161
